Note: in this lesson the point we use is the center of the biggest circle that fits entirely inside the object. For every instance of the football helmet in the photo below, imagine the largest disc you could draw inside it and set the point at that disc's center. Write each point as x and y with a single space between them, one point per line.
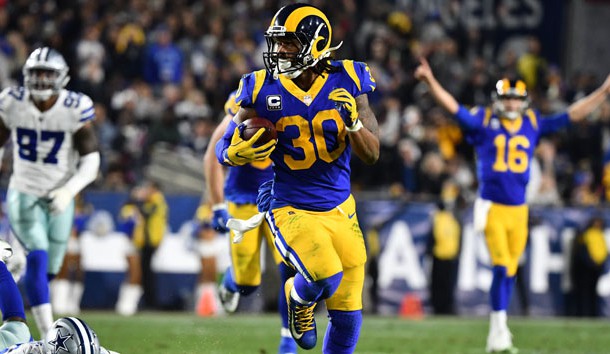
45 73
312 31
71 335
506 89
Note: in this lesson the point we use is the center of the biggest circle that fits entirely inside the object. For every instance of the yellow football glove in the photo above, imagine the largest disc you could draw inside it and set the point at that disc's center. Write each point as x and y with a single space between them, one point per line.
241 151
345 103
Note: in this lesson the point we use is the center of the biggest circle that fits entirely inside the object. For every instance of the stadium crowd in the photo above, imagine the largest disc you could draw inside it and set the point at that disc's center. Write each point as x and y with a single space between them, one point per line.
159 73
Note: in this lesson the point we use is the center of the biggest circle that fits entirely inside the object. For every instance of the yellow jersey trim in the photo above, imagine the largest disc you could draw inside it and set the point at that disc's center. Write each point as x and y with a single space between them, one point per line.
259 79
532 116
304 96
351 71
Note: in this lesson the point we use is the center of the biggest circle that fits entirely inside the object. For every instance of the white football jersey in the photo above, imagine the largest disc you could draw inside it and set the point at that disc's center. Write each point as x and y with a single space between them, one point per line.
25 348
44 157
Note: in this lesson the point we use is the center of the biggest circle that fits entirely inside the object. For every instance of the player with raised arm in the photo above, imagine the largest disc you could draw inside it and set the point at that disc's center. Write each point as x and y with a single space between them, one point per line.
504 137
239 190
55 156
321 113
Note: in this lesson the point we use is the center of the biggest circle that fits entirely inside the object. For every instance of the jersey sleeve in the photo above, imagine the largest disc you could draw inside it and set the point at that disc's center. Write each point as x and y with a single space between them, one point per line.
360 74
85 111
472 119
249 87
231 106
553 123
5 101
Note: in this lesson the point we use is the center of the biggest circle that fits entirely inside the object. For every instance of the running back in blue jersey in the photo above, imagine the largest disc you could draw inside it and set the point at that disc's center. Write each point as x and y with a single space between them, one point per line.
311 172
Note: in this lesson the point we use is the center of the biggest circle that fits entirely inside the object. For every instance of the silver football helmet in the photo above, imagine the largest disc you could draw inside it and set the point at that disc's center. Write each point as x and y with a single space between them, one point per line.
71 335
45 73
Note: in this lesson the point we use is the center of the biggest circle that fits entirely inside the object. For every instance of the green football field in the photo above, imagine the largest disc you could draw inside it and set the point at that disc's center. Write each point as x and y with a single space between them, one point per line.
173 332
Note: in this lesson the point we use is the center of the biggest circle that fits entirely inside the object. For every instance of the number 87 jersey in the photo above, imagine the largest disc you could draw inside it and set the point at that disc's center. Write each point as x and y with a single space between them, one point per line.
311 159
44 157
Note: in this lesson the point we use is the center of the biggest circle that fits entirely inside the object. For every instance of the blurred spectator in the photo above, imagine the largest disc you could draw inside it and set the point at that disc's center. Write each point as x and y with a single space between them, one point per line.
163 62
531 65
152 206
444 248
589 258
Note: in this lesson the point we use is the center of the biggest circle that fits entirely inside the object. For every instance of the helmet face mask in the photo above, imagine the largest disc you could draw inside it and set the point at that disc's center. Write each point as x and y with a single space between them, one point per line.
45 73
510 99
307 29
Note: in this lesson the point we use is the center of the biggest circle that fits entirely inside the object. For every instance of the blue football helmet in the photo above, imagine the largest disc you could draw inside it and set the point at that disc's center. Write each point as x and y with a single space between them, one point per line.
309 27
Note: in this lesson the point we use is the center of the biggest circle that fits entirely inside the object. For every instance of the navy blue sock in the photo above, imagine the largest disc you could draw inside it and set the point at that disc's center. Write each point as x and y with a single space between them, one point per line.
36 284
320 289
11 303
497 293
509 283
342 332
233 287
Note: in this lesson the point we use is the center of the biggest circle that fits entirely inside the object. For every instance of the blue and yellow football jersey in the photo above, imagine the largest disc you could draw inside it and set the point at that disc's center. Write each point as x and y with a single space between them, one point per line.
241 185
311 160
504 149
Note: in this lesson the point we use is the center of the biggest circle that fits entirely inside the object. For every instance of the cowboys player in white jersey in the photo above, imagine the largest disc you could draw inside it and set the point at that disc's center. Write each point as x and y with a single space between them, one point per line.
55 155
67 335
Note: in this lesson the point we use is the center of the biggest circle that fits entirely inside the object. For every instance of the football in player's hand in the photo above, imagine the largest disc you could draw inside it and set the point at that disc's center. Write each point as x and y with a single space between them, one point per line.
249 127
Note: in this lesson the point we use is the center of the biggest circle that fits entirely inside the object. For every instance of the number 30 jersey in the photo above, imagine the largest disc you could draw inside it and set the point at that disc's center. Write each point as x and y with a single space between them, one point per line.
311 159
44 157
504 149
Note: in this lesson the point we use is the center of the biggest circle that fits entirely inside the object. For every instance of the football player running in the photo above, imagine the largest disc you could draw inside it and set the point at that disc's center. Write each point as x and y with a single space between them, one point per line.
240 191
68 335
504 137
55 155
321 113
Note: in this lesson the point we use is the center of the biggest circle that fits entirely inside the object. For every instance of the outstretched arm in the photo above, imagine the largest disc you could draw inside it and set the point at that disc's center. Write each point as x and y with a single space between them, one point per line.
424 73
584 106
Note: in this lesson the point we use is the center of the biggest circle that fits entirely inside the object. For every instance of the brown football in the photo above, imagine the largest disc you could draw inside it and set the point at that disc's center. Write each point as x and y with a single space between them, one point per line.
249 127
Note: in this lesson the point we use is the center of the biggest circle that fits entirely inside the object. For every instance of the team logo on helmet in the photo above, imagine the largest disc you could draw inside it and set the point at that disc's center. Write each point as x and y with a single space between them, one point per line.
71 335
310 28
45 73
509 89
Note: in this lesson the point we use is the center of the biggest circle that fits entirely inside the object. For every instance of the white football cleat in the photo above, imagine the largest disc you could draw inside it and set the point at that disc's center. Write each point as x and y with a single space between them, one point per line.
500 341
6 251
229 300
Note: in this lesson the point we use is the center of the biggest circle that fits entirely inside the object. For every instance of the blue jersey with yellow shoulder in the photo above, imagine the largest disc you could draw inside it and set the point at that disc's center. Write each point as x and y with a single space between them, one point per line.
504 149
311 160
241 185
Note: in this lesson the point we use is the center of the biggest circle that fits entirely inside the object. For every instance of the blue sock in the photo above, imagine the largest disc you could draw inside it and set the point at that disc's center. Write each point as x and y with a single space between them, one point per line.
320 289
36 284
285 273
11 303
342 332
232 286
509 283
498 293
